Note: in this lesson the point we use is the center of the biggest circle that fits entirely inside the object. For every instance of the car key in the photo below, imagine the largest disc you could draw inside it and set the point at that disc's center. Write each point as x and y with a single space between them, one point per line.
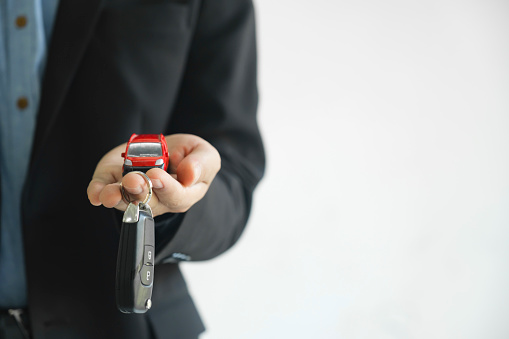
135 260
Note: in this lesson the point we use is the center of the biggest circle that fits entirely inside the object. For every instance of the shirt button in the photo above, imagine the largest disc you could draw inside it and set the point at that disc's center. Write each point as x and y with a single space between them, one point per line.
21 21
22 103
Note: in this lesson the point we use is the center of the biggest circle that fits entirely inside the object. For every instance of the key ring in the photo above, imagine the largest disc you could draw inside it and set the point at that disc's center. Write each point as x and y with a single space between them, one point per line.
125 195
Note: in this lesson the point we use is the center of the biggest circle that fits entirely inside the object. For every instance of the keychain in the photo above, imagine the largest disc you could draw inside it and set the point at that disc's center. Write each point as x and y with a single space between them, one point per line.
135 260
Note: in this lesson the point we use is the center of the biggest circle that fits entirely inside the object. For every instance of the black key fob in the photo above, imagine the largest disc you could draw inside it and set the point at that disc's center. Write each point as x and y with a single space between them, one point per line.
135 260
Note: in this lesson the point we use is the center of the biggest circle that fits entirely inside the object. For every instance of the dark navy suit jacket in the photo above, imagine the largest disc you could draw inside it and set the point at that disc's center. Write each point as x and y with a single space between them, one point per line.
117 67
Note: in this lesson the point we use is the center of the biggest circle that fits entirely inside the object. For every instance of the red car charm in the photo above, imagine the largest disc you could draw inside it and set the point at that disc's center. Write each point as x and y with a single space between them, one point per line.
145 151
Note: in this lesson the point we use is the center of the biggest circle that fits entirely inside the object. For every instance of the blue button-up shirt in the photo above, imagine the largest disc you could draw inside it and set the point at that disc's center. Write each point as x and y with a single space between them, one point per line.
25 28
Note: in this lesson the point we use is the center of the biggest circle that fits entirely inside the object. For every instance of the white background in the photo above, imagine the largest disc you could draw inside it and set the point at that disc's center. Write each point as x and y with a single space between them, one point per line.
384 212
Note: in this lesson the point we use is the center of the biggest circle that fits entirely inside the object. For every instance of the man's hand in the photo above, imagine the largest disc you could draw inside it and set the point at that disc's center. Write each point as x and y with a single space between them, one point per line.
193 165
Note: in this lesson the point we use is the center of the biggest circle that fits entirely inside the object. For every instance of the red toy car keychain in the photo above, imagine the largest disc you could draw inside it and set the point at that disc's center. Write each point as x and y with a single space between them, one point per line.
145 151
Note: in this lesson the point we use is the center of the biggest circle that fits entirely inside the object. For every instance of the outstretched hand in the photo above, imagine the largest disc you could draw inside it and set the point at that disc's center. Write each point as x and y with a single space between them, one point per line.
194 163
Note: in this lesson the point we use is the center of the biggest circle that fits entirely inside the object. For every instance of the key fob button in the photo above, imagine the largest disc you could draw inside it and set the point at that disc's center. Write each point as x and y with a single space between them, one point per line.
149 231
148 256
147 275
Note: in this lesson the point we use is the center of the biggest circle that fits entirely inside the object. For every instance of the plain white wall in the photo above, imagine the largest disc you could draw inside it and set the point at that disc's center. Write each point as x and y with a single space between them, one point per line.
384 212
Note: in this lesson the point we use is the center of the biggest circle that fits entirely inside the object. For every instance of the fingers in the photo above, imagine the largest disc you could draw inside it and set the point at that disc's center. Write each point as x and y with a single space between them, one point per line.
193 165
110 195
134 184
108 171
192 159
189 171
94 190
170 194
104 175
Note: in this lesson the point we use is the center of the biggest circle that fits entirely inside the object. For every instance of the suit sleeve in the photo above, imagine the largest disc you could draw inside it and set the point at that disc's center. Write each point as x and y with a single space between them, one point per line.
218 102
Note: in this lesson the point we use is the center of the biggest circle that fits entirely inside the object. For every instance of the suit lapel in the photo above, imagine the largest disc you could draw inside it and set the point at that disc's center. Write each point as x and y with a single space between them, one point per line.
72 30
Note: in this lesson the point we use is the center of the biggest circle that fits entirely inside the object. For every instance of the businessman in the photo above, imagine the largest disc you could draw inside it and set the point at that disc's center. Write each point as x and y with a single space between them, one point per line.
77 78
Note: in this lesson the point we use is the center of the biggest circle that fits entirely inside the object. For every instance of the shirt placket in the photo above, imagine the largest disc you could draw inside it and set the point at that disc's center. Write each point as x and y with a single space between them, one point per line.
17 124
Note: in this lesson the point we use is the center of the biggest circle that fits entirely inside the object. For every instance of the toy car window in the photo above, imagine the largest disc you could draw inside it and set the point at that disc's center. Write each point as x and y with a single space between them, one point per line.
145 149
